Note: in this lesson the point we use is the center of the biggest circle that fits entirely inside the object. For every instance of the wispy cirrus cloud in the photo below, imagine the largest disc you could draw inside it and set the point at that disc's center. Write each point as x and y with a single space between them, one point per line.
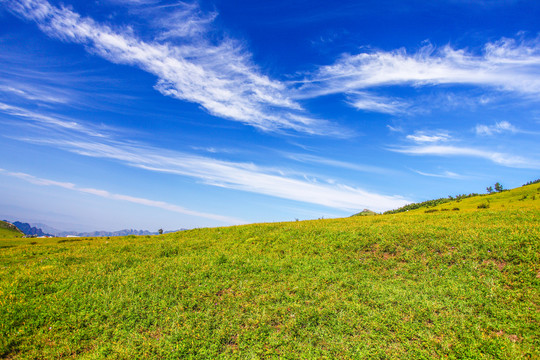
58 123
245 176
339 164
445 174
362 100
45 83
135 200
29 92
232 175
38 181
497 128
180 20
219 76
135 2
496 157
509 65
429 137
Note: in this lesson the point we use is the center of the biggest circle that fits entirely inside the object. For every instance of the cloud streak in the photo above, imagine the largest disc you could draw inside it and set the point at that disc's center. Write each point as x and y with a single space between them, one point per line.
218 76
72 136
233 175
56 122
497 128
444 174
135 200
496 157
507 65
369 102
424 137
313 159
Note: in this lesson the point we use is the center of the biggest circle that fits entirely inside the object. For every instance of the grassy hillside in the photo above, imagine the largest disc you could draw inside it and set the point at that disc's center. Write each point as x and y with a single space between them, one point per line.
447 284
7 231
527 196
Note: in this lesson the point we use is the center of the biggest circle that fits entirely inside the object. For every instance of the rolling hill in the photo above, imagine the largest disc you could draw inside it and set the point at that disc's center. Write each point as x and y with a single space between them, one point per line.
521 197
8 230
413 285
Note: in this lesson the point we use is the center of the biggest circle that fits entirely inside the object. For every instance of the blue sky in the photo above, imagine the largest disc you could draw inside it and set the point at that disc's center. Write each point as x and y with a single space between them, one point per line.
165 114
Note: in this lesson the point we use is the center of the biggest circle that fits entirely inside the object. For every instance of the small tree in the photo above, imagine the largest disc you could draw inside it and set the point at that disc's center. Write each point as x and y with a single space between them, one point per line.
498 187
489 189
160 231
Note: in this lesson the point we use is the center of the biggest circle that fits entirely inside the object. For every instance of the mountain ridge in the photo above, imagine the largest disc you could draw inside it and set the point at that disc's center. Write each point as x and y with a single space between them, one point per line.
36 230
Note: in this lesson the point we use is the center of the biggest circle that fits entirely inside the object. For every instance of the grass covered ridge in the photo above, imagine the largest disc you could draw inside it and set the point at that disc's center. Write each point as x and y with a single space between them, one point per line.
526 196
456 284
8 230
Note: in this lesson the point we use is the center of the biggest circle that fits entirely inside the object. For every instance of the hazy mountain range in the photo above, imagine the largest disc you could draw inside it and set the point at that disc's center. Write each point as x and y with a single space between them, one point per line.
39 229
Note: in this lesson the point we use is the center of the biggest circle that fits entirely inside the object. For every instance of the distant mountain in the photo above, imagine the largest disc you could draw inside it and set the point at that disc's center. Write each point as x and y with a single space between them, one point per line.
46 228
124 232
29 230
39 229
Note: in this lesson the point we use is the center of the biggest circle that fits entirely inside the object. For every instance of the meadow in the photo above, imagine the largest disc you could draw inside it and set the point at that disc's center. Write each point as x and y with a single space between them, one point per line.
446 284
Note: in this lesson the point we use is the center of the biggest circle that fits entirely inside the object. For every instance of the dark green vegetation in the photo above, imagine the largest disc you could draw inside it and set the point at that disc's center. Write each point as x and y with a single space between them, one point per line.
430 203
537 181
449 284
8 230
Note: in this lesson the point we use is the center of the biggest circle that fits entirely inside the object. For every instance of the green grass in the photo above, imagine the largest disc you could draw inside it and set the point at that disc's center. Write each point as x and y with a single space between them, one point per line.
527 196
9 231
449 284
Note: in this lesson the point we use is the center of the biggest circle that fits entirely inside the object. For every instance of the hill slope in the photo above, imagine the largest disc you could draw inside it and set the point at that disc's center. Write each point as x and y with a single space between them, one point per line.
8 230
455 284
526 196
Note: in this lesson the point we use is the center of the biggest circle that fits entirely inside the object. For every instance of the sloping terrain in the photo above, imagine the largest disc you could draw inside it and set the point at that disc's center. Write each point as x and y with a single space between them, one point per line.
8 230
446 284
526 196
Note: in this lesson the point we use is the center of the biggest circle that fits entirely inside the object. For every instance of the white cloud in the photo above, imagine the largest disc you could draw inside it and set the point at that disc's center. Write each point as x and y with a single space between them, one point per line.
444 174
506 65
179 20
496 157
497 128
220 77
394 128
370 102
38 181
134 2
25 79
337 163
28 92
424 137
55 122
105 194
232 175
